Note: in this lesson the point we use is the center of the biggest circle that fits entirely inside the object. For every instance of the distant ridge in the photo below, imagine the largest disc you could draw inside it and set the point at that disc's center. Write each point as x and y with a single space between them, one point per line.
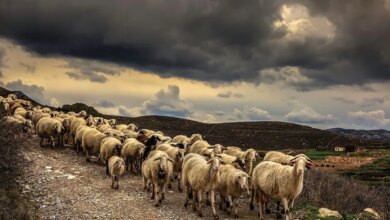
376 137
262 135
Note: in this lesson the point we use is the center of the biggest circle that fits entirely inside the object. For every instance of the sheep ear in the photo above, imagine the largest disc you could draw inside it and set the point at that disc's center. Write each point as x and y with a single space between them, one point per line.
169 159
292 161
210 147
209 161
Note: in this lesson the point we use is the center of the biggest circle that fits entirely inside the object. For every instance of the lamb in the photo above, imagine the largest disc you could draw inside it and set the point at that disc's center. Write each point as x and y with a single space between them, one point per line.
233 183
177 155
49 128
132 152
108 148
281 182
200 176
232 160
205 149
91 142
158 170
188 140
249 156
66 124
116 167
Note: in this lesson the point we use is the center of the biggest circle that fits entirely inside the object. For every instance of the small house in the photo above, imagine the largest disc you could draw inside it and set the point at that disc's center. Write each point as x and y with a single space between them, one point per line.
339 149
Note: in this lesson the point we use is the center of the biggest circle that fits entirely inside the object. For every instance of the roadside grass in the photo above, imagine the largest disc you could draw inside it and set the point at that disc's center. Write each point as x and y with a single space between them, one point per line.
322 154
312 212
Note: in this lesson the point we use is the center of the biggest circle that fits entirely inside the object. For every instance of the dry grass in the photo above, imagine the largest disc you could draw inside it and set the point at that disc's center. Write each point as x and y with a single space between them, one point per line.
344 194
13 205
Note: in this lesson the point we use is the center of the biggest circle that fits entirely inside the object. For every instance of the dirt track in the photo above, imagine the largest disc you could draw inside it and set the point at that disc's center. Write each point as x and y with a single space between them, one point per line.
63 186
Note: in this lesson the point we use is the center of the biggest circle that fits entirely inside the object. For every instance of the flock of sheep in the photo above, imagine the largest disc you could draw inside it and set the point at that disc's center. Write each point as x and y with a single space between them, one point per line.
196 165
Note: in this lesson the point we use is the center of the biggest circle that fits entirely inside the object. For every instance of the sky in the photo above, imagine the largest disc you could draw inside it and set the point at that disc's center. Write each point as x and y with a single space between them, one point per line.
319 63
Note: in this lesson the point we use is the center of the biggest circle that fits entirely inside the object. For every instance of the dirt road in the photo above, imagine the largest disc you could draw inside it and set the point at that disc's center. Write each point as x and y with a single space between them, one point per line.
63 186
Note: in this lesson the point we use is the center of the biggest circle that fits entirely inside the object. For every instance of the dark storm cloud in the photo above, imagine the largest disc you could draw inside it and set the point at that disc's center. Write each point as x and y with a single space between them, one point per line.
215 41
104 103
229 94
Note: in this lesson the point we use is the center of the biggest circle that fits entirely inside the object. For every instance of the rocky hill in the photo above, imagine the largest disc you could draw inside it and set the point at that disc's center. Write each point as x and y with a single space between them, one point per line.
375 137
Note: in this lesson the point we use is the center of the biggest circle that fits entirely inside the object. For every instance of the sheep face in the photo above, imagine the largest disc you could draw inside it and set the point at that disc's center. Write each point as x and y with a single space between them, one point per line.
300 163
28 126
57 128
66 124
243 181
162 166
141 150
217 148
241 163
83 114
215 163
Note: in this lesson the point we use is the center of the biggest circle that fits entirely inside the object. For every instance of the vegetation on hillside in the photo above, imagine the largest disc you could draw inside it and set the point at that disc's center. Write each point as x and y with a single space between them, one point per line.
77 107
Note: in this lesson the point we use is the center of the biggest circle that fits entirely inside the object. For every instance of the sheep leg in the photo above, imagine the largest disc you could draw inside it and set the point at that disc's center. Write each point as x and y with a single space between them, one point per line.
107 170
179 187
127 163
285 205
212 195
260 203
194 201
52 141
156 194
116 182
199 196
87 158
163 187
278 208
187 197
251 205
222 204
112 182
144 182
230 207
207 199
41 142
235 205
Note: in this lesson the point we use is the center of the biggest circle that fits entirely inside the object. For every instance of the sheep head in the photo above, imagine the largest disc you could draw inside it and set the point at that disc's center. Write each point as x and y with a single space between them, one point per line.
300 163
163 165
242 180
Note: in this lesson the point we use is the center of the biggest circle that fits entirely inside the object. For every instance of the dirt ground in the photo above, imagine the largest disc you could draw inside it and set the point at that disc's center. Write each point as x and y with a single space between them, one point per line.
62 185
332 163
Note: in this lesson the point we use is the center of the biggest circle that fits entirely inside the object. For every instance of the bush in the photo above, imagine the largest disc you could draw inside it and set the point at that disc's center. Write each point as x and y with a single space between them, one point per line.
77 107
344 194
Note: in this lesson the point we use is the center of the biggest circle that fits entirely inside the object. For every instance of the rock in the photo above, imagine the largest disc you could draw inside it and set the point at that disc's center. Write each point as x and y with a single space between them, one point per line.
369 214
324 212
70 177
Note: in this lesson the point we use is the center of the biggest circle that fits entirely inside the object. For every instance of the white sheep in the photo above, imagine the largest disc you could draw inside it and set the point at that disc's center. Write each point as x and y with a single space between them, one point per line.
188 140
232 160
75 123
200 176
177 155
103 127
91 142
132 152
233 183
157 169
18 125
109 147
49 128
249 156
204 148
279 157
12 96
116 167
79 136
277 181
38 116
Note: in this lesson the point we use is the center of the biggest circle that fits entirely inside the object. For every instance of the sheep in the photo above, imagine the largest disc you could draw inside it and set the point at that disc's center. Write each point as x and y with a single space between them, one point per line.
38 116
150 144
66 124
81 114
46 110
24 103
90 121
21 111
98 120
249 156
103 127
73 127
116 167
12 96
79 135
49 128
111 122
18 125
13 106
233 183
281 182
177 155
4 108
129 133
108 148
279 157
91 142
188 140
201 176
132 152
204 148
115 133
158 170
232 160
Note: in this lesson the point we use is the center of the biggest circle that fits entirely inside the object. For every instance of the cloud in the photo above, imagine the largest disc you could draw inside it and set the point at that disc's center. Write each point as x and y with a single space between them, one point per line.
309 116
372 101
2 64
33 91
229 94
165 102
210 118
30 68
344 100
196 40
91 70
251 113
104 103
371 119
54 102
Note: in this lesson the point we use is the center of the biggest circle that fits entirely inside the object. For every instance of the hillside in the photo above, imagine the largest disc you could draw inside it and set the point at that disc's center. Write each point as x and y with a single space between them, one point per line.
376 137
262 135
